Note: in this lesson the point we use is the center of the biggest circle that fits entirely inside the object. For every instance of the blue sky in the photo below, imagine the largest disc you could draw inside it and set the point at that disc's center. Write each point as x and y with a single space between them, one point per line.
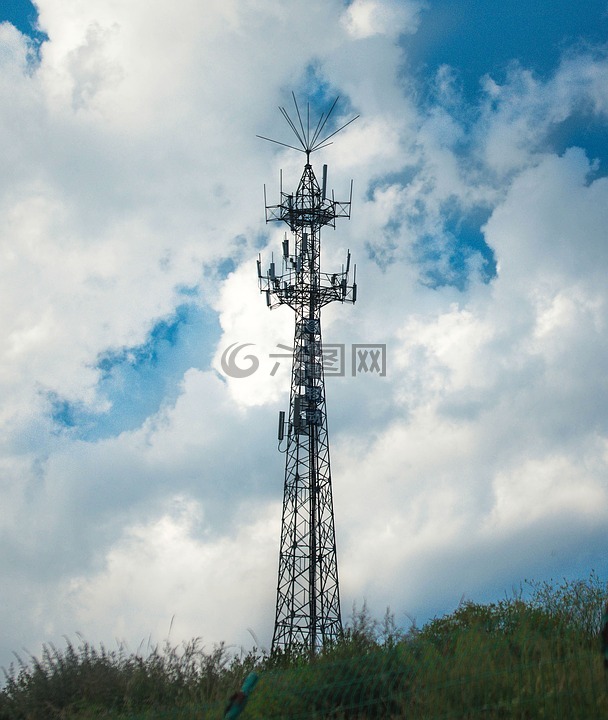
24 16
477 37
138 379
138 479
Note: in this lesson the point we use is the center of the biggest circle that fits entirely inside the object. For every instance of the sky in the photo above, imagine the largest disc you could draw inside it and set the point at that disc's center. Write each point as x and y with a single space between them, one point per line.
141 483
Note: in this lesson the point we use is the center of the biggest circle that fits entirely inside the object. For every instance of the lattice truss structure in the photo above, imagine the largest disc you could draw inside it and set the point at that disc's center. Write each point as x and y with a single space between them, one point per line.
308 601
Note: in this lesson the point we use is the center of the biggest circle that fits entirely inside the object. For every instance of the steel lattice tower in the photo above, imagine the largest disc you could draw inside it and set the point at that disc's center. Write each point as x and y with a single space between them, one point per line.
308 599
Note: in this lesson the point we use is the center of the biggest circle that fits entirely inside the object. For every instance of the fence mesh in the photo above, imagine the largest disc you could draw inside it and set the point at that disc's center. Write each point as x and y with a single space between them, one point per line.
557 681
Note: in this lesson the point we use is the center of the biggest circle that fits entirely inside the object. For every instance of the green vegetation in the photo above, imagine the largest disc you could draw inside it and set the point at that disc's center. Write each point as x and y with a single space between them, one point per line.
533 658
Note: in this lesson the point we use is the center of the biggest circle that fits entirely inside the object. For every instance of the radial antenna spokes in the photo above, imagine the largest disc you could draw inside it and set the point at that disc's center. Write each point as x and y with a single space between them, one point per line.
308 142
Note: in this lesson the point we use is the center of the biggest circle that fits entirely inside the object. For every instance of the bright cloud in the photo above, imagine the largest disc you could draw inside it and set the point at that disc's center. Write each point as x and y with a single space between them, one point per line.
365 18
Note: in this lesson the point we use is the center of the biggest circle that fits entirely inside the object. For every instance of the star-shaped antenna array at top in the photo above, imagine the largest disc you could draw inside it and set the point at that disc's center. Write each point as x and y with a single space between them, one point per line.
310 140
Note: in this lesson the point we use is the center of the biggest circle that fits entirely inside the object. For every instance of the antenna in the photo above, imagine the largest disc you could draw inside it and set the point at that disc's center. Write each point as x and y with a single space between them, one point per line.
307 143
308 600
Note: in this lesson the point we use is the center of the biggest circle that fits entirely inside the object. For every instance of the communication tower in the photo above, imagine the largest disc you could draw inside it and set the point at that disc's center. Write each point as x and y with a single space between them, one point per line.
308 599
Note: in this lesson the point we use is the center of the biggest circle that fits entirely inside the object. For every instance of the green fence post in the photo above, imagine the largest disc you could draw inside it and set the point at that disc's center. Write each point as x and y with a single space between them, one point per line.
238 701
605 636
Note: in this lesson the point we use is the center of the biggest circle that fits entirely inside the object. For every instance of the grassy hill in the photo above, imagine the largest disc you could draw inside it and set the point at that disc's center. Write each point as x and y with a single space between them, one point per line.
533 658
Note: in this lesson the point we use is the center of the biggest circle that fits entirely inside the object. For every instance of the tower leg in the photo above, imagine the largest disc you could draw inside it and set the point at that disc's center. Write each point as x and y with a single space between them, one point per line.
308 603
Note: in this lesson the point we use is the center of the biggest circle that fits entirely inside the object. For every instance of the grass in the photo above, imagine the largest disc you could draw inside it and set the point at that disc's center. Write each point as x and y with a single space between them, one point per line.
533 658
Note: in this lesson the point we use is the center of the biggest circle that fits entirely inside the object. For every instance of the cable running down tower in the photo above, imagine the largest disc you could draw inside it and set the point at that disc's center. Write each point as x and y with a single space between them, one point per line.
308 600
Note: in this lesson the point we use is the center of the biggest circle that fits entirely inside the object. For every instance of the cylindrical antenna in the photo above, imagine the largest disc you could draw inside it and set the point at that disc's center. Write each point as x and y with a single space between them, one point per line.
281 424
324 186
290 211
296 412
